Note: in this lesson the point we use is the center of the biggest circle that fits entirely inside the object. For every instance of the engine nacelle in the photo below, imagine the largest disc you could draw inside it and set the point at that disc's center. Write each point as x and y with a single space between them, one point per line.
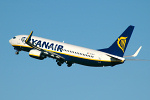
36 54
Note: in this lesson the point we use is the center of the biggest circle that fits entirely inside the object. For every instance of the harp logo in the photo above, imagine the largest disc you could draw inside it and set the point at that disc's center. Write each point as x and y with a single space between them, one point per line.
122 43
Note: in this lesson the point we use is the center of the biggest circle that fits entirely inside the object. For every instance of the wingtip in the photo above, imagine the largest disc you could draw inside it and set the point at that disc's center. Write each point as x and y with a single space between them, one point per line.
31 33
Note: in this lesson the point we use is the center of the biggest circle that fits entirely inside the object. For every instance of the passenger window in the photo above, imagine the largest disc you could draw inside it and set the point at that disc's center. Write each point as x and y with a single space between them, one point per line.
89 56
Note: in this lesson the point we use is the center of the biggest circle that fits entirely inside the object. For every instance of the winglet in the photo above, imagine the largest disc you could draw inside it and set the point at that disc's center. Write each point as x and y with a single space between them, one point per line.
136 53
29 37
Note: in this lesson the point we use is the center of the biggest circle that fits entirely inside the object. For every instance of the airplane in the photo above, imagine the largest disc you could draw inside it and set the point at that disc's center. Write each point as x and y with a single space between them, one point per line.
41 48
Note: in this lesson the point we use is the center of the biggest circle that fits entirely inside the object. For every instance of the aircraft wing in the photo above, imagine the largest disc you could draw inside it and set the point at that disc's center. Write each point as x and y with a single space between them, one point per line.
47 53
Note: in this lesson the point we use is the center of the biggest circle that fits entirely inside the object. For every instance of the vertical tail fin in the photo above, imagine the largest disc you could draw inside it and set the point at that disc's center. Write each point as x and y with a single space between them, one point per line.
118 48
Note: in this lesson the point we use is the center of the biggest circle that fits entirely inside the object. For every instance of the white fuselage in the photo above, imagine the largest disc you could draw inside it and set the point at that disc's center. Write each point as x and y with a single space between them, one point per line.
71 53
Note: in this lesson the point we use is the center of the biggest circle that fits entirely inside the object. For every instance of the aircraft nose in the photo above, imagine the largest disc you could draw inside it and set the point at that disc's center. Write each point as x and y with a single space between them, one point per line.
10 41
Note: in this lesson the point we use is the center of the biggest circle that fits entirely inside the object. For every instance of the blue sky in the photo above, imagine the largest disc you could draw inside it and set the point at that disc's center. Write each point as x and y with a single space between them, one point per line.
89 23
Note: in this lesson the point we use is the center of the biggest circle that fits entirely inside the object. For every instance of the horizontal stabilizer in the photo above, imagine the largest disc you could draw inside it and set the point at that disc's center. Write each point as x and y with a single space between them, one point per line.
116 57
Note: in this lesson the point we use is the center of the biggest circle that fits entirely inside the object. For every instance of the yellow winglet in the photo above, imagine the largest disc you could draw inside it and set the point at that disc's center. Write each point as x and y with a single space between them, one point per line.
29 37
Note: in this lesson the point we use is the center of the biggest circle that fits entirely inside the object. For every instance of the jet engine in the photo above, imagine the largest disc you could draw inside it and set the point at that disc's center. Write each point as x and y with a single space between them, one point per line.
36 54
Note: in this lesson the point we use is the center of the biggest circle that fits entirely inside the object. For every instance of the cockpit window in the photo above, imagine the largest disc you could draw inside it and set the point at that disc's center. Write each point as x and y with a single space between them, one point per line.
14 37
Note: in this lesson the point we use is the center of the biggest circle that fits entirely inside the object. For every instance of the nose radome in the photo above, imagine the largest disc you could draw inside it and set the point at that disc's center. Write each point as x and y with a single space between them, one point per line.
10 41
